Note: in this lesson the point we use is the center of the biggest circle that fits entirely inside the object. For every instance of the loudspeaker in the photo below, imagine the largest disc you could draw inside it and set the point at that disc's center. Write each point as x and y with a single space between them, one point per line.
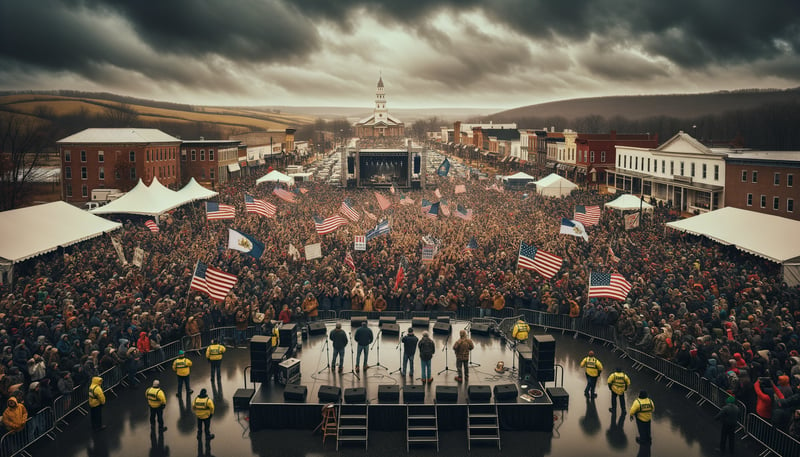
387 320
505 393
260 343
443 328
351 165
479 394
317 328
287 336
295 392
544 357
414 393
443 319
479 329
390 329
446 394
388 393
355 395
416 164
330 394
241 399
355 321
525 362
559 396
420 322
260 358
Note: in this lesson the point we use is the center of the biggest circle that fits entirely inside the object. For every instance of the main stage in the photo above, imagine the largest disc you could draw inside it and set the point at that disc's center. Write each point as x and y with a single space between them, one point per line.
521 409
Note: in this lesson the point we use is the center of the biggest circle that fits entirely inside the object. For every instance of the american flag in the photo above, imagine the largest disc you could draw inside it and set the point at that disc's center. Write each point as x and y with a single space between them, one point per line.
463 213
461 189
587 215
544 263
471 246
216 283
609 285
254 205
284 195
401 273
217 211
380 229
348 259
383 202
347 210
325 226
428 251
151 224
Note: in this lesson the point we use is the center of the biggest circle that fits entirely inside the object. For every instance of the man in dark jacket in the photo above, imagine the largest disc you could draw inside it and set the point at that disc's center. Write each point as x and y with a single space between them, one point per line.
364 338
409 349
728 415
339 339
426 351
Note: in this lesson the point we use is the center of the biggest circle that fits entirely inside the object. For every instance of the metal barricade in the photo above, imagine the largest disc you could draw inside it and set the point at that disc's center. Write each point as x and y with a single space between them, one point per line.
766 435
327 314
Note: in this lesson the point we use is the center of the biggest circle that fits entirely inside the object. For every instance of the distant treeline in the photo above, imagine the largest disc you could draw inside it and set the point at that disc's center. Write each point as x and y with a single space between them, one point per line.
105 96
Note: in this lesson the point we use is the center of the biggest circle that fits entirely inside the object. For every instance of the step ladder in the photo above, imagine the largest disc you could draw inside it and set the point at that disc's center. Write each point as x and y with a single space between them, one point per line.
482 424
422 425
352 427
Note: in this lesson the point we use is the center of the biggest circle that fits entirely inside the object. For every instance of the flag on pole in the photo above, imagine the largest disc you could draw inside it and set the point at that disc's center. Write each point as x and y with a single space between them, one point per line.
383 202
348 260
328 225
471 245
284 195
264 208
444 168
426 205
632 220
348 211
587 215
461 189
433 211
612 258
381 229
401 273
243 242
544 263
609 285
216 283
437 193
217 211
151 224
573 228
463 213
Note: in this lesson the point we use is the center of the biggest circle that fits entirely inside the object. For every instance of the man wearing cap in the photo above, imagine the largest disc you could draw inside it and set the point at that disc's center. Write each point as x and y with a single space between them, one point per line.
409 349
593 369
729 416
642 409
618 383
364 338
339 339
214 354
157 401
203 408
182 367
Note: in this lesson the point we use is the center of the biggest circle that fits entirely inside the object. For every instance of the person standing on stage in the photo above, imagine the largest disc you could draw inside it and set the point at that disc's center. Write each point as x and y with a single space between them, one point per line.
729 416
409 350
339 339
642 409
593 369
203 408
462 348
364 338
426 351
157 401
214 354
520 331
182 366
618 383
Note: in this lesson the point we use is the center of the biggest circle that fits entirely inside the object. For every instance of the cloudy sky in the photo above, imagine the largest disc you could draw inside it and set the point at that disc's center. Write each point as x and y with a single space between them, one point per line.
431 53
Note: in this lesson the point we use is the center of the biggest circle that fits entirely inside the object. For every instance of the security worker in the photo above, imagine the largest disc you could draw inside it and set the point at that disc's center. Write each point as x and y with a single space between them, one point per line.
203 408
214 354
520 331
618 383
97 398
182 367
593 369
157 401
642 409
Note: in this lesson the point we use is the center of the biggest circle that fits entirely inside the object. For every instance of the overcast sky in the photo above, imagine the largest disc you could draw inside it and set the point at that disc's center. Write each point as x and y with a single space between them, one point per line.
431 53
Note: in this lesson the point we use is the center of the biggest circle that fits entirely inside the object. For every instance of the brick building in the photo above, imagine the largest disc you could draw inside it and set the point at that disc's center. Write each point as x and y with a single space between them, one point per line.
210 161
597 151
380 123
763 181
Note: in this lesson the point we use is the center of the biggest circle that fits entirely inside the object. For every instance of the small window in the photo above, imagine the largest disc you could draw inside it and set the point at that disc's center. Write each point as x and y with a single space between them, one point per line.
692 168
84 173
648 164
749 199
148 155
682 168
202 155
755 176
84 191
133 174
636 166
776 203
789 180
194 155
211 155
663 167
83 156
69 189
211 173
671 167
602 157
704 171
67 156
101 156
132 156
790 205
68 172
777 179
716 172
183 155
744 175
101 173
763 201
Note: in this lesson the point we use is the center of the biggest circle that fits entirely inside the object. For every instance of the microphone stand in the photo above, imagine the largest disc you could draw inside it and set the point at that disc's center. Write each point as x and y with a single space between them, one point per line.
353 359
378 343
399 343
446 361
327 356
471 363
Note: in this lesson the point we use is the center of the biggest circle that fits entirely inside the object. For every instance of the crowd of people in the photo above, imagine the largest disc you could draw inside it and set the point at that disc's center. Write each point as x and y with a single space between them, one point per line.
74 313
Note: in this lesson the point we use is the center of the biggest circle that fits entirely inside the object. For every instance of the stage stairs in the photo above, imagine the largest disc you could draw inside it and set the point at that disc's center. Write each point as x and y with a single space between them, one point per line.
353 420
482 424
422 425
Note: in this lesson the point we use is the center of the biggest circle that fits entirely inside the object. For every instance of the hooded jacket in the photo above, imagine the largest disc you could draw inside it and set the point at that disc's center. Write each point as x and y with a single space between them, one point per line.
15 416
96 395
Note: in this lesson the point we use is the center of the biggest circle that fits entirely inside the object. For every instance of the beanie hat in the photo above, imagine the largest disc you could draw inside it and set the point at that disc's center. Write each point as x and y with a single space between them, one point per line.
181 352
203 393
156 383
730 399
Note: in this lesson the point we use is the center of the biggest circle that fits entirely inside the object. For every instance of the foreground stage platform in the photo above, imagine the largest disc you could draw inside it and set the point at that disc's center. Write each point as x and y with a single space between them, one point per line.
268 409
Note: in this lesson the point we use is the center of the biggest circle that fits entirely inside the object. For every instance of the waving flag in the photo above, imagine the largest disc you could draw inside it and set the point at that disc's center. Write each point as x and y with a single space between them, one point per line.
587 215
151 224
383 202
471 246
428 252
243 242
463 213
254 205
401 273
444 168
461 189
426 205
609 285
381 229
612 258
325 226
347 210
573 228
632 220
348 260
217 211
284 195
216 283
544 263
433 211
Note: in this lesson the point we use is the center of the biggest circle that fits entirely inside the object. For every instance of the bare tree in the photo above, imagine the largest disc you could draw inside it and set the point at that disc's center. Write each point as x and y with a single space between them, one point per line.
22 141
122 115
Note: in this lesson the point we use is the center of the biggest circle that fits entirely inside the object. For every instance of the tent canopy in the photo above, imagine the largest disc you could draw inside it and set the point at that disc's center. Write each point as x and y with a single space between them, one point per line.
193 191
275 176
628 201
28 232
143 200
519 176
775 240
554 185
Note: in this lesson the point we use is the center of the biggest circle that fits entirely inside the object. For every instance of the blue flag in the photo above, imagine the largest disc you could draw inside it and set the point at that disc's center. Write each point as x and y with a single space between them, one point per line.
444 168
239 241
381 229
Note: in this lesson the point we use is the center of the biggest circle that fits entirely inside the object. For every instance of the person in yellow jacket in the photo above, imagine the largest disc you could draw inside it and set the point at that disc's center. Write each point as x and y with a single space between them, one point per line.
203 408
593 369
157 401
15 415
642 409
214 354
618 383
182 366
520 331
97 398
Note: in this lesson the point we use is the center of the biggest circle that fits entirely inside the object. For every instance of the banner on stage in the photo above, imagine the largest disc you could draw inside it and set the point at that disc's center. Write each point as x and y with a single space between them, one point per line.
313 251
360 243
138 257
118 248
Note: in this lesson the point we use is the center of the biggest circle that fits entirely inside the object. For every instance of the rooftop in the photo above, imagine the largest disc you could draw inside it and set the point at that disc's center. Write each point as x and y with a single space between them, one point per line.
124 135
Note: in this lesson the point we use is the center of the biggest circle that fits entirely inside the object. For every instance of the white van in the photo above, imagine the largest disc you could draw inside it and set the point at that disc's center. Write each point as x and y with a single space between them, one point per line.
104 195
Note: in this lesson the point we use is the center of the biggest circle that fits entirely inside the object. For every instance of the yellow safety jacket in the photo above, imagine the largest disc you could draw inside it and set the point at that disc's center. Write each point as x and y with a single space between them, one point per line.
520 331
155 397
592 365
182 366
215 351
619 382
96 395
275 336
203 407
643 409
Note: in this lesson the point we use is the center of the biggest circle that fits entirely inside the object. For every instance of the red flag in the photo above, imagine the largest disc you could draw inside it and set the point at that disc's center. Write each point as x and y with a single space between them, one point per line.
401 273
348 259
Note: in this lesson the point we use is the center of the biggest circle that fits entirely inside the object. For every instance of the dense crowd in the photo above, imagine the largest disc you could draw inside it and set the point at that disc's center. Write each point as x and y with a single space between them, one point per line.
77 312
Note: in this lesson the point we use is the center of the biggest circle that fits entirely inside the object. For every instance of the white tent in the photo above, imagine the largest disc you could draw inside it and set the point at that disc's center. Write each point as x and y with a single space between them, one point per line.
776 238
28 232
147 201
628 201
554 185
520 176
276 176
193 191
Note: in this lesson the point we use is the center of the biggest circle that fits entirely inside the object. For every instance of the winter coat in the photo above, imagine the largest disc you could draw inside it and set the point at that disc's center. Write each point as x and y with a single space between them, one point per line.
15 416
96 395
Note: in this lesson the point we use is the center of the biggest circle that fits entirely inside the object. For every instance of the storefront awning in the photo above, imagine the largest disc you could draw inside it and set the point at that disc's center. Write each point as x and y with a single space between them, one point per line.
233 167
